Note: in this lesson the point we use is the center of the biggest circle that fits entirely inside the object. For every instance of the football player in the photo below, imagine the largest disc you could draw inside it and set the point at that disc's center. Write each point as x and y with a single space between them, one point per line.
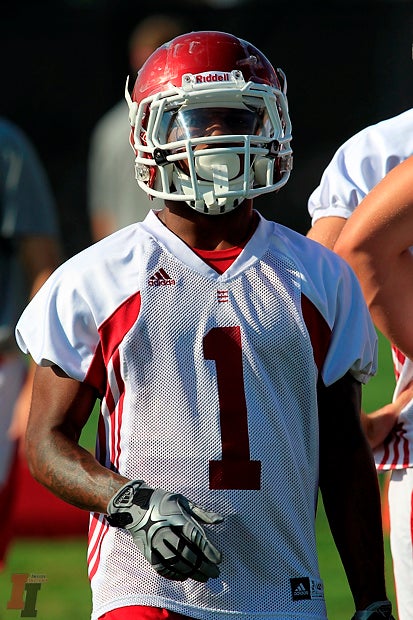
225 351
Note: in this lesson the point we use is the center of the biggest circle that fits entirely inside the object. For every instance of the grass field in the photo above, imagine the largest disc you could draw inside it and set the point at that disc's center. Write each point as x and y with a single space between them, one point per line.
65 595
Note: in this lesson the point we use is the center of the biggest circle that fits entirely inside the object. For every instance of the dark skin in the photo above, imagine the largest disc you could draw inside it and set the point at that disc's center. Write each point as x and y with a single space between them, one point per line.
216 232
61 407
350 490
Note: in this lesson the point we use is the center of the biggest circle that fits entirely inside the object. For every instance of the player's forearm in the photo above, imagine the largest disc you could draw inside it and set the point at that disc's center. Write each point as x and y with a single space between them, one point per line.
71 472
358 540
59 411
379 424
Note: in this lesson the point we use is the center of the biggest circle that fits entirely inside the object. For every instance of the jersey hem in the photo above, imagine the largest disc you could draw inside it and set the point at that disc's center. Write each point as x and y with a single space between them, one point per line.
203 613
336 211
391 467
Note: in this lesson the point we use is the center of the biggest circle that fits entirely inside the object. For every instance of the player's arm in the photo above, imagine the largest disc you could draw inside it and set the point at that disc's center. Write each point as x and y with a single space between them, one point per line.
350 491
176 544
378 424
59 410
376 241
326 230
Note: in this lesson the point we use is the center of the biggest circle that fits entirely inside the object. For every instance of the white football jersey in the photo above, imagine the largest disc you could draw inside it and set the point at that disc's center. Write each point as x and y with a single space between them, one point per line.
359 164
208 386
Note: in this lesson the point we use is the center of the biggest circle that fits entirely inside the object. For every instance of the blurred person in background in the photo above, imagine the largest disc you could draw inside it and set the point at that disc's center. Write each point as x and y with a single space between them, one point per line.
355 169
29 252
114 198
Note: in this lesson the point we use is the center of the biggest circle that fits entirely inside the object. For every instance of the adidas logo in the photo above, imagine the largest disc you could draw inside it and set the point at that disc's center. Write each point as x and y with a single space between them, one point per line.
300 588
161 278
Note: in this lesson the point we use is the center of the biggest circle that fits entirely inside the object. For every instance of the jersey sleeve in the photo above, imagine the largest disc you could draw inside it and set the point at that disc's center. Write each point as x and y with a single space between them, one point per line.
63 323
58 326
356 167
353 345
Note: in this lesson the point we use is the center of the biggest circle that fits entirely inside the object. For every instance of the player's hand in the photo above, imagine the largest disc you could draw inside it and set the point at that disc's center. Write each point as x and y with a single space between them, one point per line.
166 529
381 610
379 424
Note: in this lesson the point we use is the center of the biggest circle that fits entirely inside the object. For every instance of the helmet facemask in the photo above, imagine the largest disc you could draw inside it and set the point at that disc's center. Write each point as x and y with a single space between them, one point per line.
213 142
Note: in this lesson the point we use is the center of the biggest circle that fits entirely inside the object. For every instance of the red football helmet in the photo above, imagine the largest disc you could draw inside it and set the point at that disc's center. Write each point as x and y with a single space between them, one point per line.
210 123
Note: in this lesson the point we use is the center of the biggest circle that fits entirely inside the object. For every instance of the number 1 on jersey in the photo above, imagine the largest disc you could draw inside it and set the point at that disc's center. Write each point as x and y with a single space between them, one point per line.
235 470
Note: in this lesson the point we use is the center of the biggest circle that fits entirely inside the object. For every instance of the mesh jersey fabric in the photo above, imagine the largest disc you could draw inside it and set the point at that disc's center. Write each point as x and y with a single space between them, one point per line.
208 387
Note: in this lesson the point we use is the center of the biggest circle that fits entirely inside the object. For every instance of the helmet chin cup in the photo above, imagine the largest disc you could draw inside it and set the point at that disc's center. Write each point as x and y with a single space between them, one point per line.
227 165
214 197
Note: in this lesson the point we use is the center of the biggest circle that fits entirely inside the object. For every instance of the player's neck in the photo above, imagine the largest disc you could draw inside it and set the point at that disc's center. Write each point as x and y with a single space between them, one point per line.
210 232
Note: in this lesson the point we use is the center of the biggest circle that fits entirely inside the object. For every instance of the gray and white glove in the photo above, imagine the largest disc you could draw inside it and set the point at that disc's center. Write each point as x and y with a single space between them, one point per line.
381 610
166 529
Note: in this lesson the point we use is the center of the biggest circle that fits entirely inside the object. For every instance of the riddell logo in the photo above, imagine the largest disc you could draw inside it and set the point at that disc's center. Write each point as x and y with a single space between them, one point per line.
161 278
200 78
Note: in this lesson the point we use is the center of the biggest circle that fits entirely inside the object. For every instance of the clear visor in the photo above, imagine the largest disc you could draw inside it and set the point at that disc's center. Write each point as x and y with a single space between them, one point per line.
185 124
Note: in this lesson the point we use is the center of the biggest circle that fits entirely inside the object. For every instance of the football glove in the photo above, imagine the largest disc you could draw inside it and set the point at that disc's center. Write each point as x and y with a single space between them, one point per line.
381 610
166 529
